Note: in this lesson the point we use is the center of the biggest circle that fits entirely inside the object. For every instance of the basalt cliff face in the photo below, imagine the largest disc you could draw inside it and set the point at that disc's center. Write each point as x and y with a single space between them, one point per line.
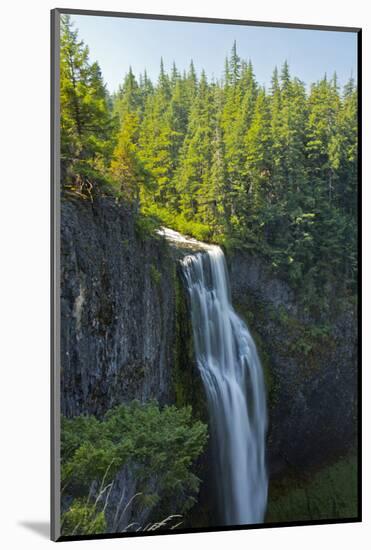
118 310
310 364
126 335
124 329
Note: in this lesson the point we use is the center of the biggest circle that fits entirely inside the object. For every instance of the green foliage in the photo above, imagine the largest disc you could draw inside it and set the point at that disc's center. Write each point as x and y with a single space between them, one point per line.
303 339
126 170
86 122
273 171
146 225
83 518
196 229
155 275
157 442
330 493
247 168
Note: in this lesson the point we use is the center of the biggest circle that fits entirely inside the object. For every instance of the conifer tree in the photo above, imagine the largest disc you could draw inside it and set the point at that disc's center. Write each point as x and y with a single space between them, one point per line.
194 169
86 124
129 98
155 140
258 157
126 168
274 171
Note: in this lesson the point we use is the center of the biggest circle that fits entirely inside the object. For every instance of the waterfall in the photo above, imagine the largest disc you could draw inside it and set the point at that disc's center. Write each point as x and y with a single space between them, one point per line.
232 376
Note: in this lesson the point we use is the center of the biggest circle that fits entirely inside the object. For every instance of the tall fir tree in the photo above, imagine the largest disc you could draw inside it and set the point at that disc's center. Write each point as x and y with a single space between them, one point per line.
86 122
274 171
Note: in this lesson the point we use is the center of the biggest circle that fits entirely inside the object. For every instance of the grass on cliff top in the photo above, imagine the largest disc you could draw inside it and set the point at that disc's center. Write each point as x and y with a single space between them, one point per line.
178 222
330 493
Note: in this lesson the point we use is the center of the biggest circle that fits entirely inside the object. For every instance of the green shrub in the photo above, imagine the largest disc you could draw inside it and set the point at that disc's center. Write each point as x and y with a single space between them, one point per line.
162 442
83 518
145 226
200 231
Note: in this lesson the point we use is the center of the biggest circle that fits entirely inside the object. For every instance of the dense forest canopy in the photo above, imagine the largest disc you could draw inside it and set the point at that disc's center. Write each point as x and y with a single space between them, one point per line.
271 170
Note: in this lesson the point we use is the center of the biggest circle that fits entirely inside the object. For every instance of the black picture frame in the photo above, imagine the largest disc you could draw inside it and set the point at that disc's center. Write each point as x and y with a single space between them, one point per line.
55 267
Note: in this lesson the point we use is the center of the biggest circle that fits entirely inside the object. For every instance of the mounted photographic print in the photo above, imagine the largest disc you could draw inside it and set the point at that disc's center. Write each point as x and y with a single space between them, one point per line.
205 203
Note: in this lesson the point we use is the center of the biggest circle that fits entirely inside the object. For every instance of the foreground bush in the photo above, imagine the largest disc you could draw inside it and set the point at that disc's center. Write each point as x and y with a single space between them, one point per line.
161 443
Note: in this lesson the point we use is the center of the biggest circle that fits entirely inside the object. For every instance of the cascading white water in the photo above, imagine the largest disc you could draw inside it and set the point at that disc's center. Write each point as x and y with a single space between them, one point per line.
232 376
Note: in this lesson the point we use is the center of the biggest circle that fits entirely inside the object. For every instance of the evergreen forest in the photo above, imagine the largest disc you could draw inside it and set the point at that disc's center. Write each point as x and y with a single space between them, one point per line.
228 161
267 173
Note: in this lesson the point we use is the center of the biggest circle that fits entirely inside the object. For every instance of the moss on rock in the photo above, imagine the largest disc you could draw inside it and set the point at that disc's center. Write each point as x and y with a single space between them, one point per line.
187 382
328 493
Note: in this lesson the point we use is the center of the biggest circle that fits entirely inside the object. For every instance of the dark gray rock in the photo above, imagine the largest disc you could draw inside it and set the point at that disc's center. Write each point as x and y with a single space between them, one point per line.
122 338
118 310
118 329
310 365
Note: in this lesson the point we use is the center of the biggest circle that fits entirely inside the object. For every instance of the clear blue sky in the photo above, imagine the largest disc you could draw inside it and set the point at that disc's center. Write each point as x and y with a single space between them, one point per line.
117 43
